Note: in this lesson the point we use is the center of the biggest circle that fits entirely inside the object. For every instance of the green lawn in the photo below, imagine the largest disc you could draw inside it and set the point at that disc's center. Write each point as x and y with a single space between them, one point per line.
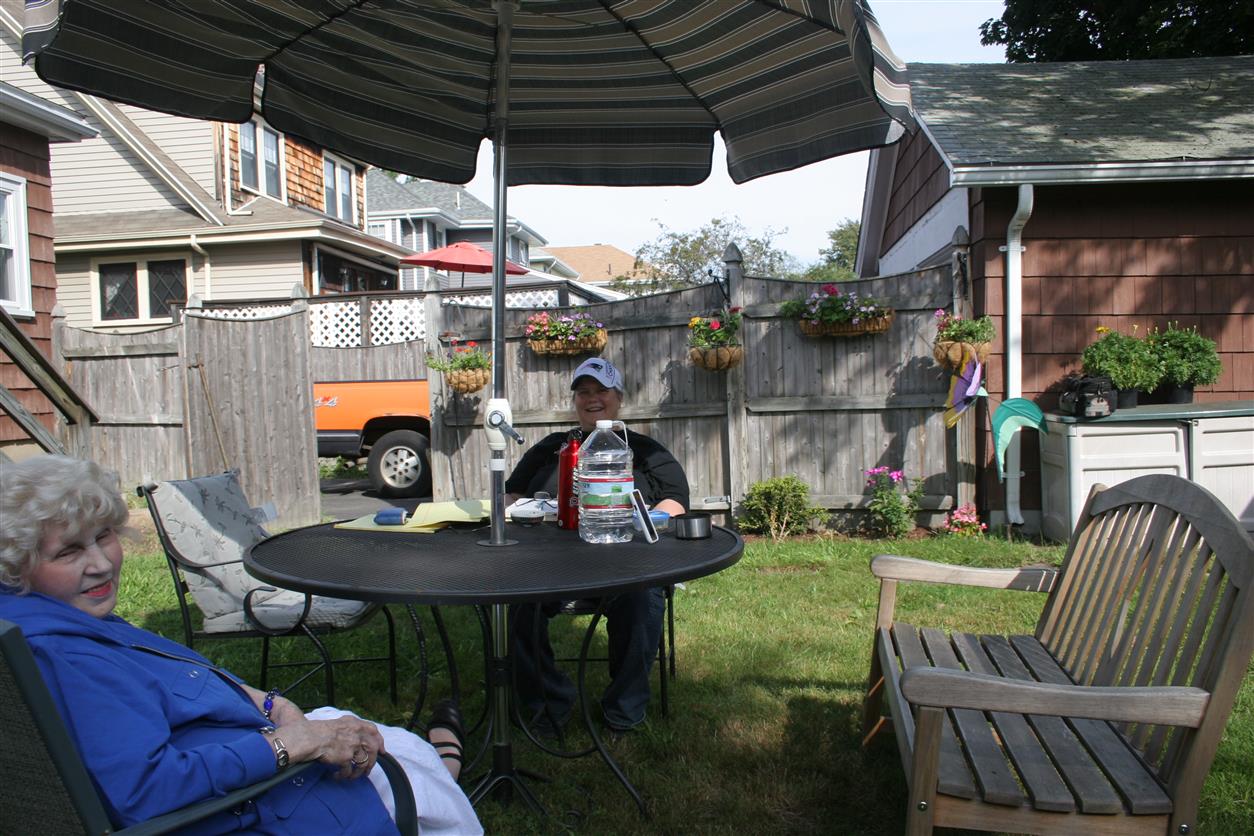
763 733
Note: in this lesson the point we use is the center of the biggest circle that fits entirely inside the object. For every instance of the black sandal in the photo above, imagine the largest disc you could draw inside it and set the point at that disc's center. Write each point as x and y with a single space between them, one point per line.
446 715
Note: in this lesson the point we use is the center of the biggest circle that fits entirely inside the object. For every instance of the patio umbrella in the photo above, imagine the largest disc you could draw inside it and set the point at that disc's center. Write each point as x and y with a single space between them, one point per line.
462 257
592 92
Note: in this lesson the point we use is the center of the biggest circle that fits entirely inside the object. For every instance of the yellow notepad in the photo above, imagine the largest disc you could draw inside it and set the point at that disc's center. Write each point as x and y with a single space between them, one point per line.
428 518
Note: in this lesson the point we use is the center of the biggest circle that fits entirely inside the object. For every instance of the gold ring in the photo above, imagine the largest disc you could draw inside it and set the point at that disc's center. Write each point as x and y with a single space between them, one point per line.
364 760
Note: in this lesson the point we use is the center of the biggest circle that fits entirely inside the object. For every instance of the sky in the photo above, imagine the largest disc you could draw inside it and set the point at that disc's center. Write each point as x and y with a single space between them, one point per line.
800 205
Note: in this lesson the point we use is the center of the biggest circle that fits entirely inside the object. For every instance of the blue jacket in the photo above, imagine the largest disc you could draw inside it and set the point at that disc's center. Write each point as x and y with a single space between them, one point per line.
160 727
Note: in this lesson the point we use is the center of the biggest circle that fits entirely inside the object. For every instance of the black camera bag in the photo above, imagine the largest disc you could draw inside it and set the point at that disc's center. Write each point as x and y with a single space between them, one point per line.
1085 396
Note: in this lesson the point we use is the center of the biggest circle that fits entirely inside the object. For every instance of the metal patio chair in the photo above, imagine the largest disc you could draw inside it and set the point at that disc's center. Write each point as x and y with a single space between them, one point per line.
48 788
205 526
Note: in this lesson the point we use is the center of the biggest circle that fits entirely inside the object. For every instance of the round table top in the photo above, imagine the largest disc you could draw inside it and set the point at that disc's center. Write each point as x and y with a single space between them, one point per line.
450 567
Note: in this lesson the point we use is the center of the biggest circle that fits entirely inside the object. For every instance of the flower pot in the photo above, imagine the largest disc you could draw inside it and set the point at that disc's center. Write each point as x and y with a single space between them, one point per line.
579 345
717 359
466 381
1178 393
948 354
1127 398
877 325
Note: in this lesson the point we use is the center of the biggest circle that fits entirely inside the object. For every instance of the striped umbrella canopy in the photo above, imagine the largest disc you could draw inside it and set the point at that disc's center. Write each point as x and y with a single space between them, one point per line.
581 92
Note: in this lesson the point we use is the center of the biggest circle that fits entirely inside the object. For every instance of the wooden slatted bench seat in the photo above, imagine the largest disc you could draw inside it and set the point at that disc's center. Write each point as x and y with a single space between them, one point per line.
1107 718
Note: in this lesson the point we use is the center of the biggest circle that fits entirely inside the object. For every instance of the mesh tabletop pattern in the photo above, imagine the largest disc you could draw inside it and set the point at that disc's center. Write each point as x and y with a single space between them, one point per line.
450 567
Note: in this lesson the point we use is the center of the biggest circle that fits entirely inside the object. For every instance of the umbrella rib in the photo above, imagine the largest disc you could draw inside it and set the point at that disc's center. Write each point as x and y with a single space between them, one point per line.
678 78
324 24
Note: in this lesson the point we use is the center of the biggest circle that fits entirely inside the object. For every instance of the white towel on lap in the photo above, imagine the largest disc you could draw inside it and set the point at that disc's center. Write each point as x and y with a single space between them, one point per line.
443 809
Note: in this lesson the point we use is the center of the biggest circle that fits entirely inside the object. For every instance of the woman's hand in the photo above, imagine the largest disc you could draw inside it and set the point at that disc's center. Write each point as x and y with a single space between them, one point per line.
350 743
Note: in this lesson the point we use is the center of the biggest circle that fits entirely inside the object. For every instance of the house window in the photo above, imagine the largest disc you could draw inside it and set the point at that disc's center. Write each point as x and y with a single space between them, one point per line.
337 188
15 291
139 291
382 229
342 274
260 159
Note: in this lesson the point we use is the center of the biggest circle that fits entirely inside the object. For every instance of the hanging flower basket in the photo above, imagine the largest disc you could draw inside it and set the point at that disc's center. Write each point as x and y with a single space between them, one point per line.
465 381
718 358
579 345
870 325
948 353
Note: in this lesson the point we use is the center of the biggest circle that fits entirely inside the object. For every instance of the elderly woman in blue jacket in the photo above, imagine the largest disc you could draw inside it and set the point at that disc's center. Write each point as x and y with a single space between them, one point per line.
158 725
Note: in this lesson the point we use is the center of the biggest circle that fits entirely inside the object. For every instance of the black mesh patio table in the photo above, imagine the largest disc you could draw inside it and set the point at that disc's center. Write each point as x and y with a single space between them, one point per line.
452 566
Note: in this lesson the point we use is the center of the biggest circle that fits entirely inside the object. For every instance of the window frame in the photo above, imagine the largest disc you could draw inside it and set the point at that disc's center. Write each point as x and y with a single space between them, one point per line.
259 130
22 303
143 300
338 164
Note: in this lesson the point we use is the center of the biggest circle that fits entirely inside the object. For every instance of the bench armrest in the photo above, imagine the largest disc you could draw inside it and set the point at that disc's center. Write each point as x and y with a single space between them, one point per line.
898 568
948 688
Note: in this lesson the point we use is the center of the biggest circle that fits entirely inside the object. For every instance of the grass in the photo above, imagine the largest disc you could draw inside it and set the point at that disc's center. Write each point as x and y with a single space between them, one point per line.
763 733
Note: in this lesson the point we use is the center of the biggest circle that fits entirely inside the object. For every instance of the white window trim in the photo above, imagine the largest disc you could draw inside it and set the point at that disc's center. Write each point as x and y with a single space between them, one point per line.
141 287
259 125
22 303
340 163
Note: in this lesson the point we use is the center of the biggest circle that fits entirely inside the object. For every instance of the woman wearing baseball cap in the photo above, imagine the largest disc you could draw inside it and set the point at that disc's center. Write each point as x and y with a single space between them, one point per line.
633 619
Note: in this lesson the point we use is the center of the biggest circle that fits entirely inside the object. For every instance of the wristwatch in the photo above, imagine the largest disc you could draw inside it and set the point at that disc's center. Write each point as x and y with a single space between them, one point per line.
281 757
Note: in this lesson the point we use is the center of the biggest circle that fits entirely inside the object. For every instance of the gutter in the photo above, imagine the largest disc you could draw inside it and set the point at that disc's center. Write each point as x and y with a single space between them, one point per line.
1014 339
203 253
1115 172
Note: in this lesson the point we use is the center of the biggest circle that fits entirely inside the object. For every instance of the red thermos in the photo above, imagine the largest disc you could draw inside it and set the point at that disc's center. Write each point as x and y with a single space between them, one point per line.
567 496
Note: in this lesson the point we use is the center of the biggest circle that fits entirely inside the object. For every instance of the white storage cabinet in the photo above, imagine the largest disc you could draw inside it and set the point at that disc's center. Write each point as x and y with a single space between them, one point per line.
1210 443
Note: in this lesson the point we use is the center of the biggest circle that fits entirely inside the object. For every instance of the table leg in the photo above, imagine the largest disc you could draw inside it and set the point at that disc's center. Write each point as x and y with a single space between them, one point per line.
502 771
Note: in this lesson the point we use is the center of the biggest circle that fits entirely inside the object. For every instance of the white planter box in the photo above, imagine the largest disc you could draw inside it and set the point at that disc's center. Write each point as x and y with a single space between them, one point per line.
1212 444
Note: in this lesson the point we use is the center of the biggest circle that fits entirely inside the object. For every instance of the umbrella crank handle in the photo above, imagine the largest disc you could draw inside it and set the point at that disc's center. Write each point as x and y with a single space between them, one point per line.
496 422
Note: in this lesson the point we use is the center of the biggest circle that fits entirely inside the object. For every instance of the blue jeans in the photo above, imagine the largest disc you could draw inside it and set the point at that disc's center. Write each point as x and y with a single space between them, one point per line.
634 626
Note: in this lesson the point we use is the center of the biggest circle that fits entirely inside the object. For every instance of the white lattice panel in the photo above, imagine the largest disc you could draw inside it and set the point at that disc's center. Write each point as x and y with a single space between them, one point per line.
397 321
251 312
335 324
546 298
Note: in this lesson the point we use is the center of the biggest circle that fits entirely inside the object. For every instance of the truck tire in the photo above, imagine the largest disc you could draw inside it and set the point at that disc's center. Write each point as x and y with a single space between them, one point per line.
398 465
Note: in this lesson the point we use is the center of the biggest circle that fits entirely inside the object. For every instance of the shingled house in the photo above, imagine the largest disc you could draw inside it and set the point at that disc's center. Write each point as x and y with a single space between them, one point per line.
1077 195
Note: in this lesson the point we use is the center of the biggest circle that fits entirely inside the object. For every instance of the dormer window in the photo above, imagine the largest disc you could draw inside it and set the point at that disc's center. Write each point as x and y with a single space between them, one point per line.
337 188
260 159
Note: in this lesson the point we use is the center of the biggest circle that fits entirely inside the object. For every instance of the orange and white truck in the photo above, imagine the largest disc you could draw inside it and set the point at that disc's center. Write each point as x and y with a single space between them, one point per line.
386 421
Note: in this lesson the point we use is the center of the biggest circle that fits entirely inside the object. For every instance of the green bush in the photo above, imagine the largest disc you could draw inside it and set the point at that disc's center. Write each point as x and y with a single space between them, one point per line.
778 507
892 512
1188 358
1127 361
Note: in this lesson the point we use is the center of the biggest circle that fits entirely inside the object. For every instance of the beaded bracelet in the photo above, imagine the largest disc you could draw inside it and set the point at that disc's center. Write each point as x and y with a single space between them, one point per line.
268 705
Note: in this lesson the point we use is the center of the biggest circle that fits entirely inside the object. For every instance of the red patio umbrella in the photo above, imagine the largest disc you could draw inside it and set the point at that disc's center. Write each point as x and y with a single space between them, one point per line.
462 257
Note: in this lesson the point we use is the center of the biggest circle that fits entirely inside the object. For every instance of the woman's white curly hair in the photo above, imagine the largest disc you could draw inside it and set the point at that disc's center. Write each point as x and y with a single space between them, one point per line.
51 490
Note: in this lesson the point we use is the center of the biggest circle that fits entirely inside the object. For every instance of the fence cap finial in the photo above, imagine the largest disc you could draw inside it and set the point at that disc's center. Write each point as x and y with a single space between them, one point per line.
732 253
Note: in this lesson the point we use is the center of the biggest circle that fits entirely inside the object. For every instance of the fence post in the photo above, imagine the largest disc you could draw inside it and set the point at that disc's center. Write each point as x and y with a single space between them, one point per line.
738 463
433 313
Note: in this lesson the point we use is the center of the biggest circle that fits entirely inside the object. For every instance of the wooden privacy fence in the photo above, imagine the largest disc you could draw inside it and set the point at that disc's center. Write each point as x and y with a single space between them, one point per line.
214 392
823 409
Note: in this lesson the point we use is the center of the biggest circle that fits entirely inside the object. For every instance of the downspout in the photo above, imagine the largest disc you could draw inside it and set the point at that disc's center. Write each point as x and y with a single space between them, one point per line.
203 253
1014 340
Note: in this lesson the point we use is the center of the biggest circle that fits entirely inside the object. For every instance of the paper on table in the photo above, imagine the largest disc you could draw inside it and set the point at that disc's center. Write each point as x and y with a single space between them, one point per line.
428 518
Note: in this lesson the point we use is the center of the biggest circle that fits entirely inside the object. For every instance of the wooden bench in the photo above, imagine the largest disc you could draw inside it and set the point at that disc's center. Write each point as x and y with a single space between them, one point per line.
1107 719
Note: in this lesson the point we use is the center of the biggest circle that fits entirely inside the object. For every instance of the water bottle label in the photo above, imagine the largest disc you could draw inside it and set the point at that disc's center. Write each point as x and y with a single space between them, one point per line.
605 493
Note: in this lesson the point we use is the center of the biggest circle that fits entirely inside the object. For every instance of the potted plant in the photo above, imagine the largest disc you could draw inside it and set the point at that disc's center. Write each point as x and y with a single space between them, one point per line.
466 367
1127 360
832 313
1188 360
712 340
568 333
953 334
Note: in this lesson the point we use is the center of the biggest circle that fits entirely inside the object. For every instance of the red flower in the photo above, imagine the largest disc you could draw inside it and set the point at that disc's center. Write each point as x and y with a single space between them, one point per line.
472 343
715 325
831 289
735 310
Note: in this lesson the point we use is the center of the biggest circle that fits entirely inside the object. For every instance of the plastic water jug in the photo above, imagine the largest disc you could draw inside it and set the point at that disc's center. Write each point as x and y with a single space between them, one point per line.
605 486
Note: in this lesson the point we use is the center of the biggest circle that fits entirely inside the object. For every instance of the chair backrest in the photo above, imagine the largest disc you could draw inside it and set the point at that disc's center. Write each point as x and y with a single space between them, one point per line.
206 525
46 788
1156 589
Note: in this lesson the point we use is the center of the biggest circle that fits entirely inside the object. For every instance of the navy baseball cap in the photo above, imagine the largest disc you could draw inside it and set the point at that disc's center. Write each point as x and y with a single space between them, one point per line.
600 370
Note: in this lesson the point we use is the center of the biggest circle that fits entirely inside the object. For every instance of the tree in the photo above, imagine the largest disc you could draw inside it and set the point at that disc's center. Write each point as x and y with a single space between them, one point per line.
681 259
1102 30
837 264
